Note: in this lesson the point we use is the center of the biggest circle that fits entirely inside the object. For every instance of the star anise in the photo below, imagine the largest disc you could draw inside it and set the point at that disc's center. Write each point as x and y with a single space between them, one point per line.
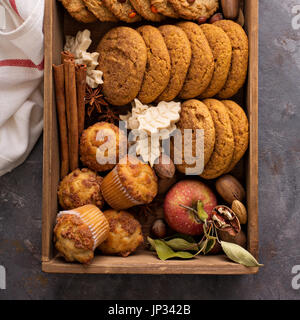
94 99
98 109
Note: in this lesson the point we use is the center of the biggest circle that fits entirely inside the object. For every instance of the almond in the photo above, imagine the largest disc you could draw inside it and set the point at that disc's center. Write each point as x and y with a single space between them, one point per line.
239 209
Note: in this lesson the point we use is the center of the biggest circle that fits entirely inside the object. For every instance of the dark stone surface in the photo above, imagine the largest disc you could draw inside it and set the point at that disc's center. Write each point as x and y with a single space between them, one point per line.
279 201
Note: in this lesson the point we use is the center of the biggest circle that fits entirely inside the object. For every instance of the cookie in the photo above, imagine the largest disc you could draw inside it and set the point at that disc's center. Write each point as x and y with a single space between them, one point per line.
224 145
78 11
99 10
240 128
123 10
158 67
122 59
195 115
194 9
239 61
202 62
180 54
146 10
164 7
221 48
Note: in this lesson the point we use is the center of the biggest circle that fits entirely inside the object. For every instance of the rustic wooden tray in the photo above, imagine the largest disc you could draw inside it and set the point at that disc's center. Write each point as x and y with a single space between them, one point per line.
143 262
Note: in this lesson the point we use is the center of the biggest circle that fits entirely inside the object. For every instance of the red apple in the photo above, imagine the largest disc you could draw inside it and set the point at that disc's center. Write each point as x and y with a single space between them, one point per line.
187 193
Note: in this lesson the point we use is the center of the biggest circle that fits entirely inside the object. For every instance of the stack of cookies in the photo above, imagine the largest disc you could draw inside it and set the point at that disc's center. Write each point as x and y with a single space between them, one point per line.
226 134
181 61
135 10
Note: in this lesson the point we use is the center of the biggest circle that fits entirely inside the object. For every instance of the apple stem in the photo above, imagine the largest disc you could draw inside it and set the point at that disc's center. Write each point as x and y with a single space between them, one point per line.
188 208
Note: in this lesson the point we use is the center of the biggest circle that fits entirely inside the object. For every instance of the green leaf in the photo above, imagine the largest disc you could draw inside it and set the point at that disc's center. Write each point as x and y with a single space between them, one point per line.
182 245
202 246
201 212
164 252
181 236
210 244
240 255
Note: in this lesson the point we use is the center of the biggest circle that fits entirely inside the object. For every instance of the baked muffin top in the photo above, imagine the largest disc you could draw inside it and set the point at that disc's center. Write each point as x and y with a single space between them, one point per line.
138 178
79 188
73 239
125 233
94 137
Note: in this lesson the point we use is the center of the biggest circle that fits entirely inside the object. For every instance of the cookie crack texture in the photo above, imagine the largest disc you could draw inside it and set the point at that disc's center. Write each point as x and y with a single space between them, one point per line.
158 67
201 67
221 48
180 54
224 143
122 59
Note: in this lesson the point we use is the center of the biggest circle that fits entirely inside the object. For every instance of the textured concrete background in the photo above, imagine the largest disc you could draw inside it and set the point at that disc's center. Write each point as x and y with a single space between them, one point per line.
279 201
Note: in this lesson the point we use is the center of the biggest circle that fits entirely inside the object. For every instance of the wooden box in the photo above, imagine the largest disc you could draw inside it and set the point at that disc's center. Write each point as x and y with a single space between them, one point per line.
143 262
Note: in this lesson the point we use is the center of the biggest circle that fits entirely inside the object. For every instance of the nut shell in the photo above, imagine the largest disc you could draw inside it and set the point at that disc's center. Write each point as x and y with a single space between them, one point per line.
159 229
239 209
240 239
165 168
230 189
230 8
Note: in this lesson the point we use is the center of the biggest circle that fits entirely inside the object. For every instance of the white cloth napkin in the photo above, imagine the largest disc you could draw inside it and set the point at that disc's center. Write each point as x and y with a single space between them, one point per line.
21 76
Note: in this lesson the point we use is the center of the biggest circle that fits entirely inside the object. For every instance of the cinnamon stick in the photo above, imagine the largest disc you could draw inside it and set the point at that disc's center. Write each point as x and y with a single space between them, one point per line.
61 114
72 113
66 55
80 87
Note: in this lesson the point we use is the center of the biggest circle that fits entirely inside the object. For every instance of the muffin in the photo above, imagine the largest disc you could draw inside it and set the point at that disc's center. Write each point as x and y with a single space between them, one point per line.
79 188
79 231
125 233
99 146
129 184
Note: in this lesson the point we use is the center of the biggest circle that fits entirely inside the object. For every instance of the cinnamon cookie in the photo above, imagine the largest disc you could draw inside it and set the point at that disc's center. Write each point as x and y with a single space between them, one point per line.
123 10
78 10
224 145
164 7
180 54
240 128
239 61
158 67
202 62
194 9
195 115
221 48
97 7
146 10
122 59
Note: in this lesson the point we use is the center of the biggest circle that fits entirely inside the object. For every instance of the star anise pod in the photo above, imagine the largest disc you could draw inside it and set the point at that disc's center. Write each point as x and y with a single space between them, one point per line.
94 99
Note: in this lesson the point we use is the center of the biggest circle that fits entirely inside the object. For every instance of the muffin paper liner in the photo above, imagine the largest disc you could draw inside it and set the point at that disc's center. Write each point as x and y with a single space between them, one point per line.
115 194
94 219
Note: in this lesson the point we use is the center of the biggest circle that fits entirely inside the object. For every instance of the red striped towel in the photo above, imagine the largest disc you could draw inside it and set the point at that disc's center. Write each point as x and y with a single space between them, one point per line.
21 76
